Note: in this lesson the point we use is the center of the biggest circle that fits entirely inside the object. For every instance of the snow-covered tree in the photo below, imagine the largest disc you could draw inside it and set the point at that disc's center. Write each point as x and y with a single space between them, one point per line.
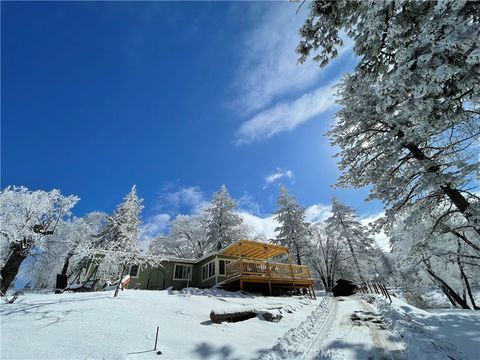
187 238
293 230
345 225
27 219
73 241
224 224
121 246
410 111
440 255
326 255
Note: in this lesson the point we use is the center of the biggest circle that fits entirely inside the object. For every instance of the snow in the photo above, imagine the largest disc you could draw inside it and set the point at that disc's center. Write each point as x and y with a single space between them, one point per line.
96 325
433 334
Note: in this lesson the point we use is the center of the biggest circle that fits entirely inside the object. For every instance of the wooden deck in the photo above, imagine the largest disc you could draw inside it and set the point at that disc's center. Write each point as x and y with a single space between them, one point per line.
253 270
245 271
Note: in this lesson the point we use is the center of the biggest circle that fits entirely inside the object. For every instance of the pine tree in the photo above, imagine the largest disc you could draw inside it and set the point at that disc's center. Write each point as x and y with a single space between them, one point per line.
409 120
224 225
121 235
346 226
293 229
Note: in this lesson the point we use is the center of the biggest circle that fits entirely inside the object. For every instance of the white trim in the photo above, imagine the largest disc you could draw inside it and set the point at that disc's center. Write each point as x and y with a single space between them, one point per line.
224 267
214 272
130 270
189 278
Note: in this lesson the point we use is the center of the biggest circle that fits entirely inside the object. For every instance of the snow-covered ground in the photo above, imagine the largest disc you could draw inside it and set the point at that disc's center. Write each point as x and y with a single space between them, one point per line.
433 334
98 326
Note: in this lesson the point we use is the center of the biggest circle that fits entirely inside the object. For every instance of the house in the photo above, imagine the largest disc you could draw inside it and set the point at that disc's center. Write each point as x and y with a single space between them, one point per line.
243 265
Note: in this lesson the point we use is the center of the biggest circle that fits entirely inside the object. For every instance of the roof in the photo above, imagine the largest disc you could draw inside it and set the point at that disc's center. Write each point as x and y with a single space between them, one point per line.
253 249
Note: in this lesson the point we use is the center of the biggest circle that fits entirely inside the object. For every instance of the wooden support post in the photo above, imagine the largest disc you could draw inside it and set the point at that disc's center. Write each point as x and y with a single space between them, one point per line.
240 264
291 271
382 290
268 272
370 288
386 291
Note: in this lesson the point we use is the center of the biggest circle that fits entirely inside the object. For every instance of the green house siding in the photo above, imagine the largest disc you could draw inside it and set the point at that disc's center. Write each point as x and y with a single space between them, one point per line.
162 276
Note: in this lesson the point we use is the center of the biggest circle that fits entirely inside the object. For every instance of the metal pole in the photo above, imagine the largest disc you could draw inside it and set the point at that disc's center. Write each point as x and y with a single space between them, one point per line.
156 338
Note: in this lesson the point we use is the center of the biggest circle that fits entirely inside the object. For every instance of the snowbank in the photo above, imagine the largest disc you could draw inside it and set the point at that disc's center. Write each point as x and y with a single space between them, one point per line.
433 334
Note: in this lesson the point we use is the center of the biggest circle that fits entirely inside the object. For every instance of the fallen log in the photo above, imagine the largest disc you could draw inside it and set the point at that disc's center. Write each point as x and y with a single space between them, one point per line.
235 316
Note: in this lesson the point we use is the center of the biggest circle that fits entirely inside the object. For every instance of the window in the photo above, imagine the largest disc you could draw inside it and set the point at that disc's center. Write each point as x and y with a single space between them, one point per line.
208 270
222 264
182 272
133 270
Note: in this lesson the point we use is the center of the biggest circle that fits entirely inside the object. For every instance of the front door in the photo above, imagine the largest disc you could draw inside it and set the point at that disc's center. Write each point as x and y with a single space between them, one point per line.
156 280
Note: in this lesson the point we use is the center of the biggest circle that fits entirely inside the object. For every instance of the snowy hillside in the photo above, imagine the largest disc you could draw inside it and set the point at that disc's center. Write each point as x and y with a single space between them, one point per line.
98 326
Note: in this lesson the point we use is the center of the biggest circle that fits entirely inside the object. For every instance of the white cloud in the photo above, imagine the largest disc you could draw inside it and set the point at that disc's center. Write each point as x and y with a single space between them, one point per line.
269 66
286 116
155 225
317 212
260 225
277 175
173 198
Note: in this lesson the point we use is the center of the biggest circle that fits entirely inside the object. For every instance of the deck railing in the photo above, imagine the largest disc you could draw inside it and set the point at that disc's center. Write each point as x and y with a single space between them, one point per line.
262 268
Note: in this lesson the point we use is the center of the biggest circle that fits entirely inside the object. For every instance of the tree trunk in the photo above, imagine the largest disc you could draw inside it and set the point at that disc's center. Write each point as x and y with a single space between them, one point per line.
120 281
447 290
66 263
355 261
350 246
466 283
19 252
469 291
297 250
330 283
453 194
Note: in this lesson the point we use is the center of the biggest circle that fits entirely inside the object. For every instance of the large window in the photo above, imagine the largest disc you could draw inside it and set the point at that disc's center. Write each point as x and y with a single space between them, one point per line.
134 271
208 270
182 272
222 264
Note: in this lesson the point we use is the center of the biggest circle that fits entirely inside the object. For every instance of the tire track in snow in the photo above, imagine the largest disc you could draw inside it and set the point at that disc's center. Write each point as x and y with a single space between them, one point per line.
297 343
315 345
385 348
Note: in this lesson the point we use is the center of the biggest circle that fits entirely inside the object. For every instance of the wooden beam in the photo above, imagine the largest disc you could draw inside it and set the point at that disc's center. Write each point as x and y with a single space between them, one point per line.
269 274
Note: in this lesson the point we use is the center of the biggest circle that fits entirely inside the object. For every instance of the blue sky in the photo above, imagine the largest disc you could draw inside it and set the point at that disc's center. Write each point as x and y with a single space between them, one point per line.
177 98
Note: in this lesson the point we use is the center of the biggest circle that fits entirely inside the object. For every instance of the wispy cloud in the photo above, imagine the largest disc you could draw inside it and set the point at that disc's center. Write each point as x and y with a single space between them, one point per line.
273 89
155 225
277 175
173 198
248 204
286 116
269 66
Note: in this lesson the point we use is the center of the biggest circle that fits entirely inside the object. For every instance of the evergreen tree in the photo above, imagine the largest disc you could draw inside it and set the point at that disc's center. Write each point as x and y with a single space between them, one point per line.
120 238
409 120
346 226
293 230
224 225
